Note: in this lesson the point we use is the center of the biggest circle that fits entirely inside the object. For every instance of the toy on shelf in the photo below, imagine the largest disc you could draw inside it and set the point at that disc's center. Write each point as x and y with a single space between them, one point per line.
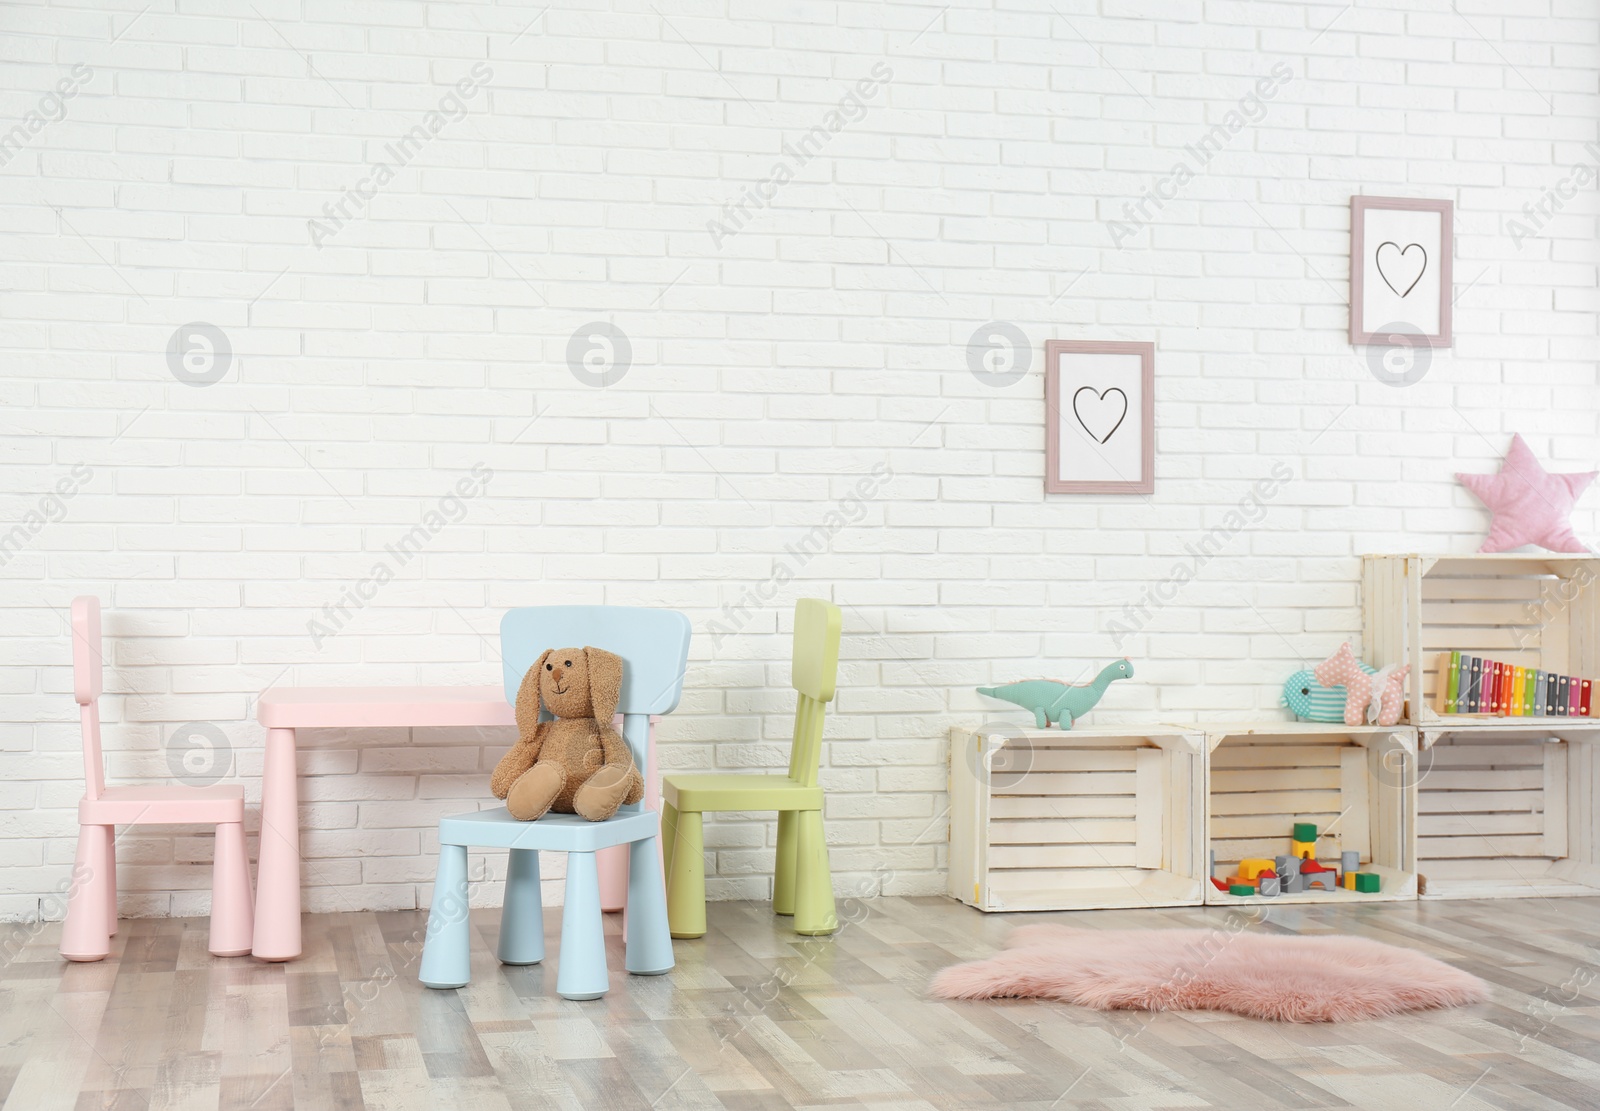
1309 700
1319 878
1468 685
1374 697
1303 841
1298 872
1055 702
1251 869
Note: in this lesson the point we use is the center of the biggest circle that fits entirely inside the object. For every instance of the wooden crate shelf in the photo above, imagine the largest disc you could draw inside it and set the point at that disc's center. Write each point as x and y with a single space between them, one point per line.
1506 809
1539 611
1097 817
1353 782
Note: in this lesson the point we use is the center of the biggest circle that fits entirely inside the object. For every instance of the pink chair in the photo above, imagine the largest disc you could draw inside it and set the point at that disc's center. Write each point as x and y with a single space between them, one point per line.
92 900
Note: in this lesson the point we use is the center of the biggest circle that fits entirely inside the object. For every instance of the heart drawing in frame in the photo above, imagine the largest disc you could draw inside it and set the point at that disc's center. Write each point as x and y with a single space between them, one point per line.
1395 271
1098 412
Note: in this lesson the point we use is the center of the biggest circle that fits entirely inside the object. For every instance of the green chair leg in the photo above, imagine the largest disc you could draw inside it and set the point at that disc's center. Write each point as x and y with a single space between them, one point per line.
669 836
784 871
814 911
686 882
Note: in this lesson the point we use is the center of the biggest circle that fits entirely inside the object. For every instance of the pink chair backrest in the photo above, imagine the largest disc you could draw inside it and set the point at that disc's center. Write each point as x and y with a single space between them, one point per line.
87 683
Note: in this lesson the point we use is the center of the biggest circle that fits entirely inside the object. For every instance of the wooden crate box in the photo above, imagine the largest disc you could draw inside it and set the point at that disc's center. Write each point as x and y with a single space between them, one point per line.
1092 818
1509 812
1353 782
1539 611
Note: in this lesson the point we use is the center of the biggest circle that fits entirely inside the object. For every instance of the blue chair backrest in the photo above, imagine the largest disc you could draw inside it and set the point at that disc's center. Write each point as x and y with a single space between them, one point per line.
653 644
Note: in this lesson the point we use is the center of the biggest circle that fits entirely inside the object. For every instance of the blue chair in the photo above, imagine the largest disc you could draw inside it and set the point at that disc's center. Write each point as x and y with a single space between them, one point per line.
654 646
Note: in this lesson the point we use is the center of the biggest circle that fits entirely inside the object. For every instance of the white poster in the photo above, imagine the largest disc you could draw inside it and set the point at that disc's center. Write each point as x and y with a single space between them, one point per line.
1400 269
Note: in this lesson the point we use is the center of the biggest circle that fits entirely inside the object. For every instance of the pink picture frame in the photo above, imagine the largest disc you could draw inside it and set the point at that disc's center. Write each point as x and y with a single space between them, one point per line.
1092 447
1367 271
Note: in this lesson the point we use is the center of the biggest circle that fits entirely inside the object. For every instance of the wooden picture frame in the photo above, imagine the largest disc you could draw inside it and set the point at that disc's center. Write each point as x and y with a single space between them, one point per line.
1090 446
1392 290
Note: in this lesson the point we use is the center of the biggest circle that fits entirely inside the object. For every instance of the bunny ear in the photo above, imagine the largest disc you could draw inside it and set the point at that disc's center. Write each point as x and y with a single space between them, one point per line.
529 702
605 683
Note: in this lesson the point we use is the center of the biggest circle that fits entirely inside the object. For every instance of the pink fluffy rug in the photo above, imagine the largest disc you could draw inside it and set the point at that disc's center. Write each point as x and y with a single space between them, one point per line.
1290 979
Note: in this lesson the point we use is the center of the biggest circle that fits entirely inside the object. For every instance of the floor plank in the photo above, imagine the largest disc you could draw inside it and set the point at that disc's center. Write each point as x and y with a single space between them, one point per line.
756 1018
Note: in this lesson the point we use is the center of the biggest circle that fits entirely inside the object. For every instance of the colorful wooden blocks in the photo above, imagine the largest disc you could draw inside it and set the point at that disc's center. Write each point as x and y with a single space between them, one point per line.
1368 882
1318 877
1270 886
1305 831
1250 869
1241 889
1348 882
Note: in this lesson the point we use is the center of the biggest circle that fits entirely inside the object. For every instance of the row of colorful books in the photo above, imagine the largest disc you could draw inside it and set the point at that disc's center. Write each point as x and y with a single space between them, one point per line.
1474 685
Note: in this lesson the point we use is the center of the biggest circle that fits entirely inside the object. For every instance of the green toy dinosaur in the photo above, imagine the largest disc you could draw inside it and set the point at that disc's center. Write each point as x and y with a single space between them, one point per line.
1054 701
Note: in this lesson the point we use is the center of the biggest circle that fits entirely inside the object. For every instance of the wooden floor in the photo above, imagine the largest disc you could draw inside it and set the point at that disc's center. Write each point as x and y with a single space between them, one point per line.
755 1018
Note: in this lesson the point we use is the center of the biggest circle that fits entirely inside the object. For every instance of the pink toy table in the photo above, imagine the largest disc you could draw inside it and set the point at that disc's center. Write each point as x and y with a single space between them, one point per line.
283 710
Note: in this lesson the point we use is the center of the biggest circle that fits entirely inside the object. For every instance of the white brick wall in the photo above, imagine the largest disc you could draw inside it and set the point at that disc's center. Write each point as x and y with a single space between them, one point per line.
773 365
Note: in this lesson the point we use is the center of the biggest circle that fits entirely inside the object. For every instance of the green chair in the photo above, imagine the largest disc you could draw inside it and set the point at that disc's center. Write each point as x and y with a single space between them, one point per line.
801 884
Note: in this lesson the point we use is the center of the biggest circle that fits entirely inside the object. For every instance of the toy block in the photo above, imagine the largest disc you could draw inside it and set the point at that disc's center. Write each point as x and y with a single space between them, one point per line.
1348 881
1286 866
1240 881
1292 885
1241 889
1369 882
1311 865
1212 856
1305 831
1322 881
1349 861
1250 869
1218 884
1270 885
1305 850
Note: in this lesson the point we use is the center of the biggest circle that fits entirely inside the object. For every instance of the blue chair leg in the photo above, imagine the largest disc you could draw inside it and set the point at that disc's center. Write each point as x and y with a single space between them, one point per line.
649 937
582 974
446 955
522 919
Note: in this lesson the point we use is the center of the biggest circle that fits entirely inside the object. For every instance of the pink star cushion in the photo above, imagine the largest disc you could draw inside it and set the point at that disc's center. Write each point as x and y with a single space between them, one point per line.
1530 505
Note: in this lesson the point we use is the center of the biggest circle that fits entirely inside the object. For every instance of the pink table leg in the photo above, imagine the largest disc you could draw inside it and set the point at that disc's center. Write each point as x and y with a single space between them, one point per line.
614 861
613 864
277 933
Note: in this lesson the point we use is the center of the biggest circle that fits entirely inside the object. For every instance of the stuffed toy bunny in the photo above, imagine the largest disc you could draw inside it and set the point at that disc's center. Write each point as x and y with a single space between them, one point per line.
576 764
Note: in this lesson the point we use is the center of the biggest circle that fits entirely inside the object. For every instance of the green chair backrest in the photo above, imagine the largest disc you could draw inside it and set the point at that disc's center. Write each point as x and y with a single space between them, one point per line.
813 669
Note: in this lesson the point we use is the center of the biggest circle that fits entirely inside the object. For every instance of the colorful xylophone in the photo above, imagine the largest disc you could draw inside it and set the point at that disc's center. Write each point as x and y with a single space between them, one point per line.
1475 685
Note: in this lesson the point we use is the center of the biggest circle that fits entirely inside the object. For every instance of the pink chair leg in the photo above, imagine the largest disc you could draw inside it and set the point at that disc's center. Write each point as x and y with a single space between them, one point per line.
232 912
277 933
84 936
111 878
